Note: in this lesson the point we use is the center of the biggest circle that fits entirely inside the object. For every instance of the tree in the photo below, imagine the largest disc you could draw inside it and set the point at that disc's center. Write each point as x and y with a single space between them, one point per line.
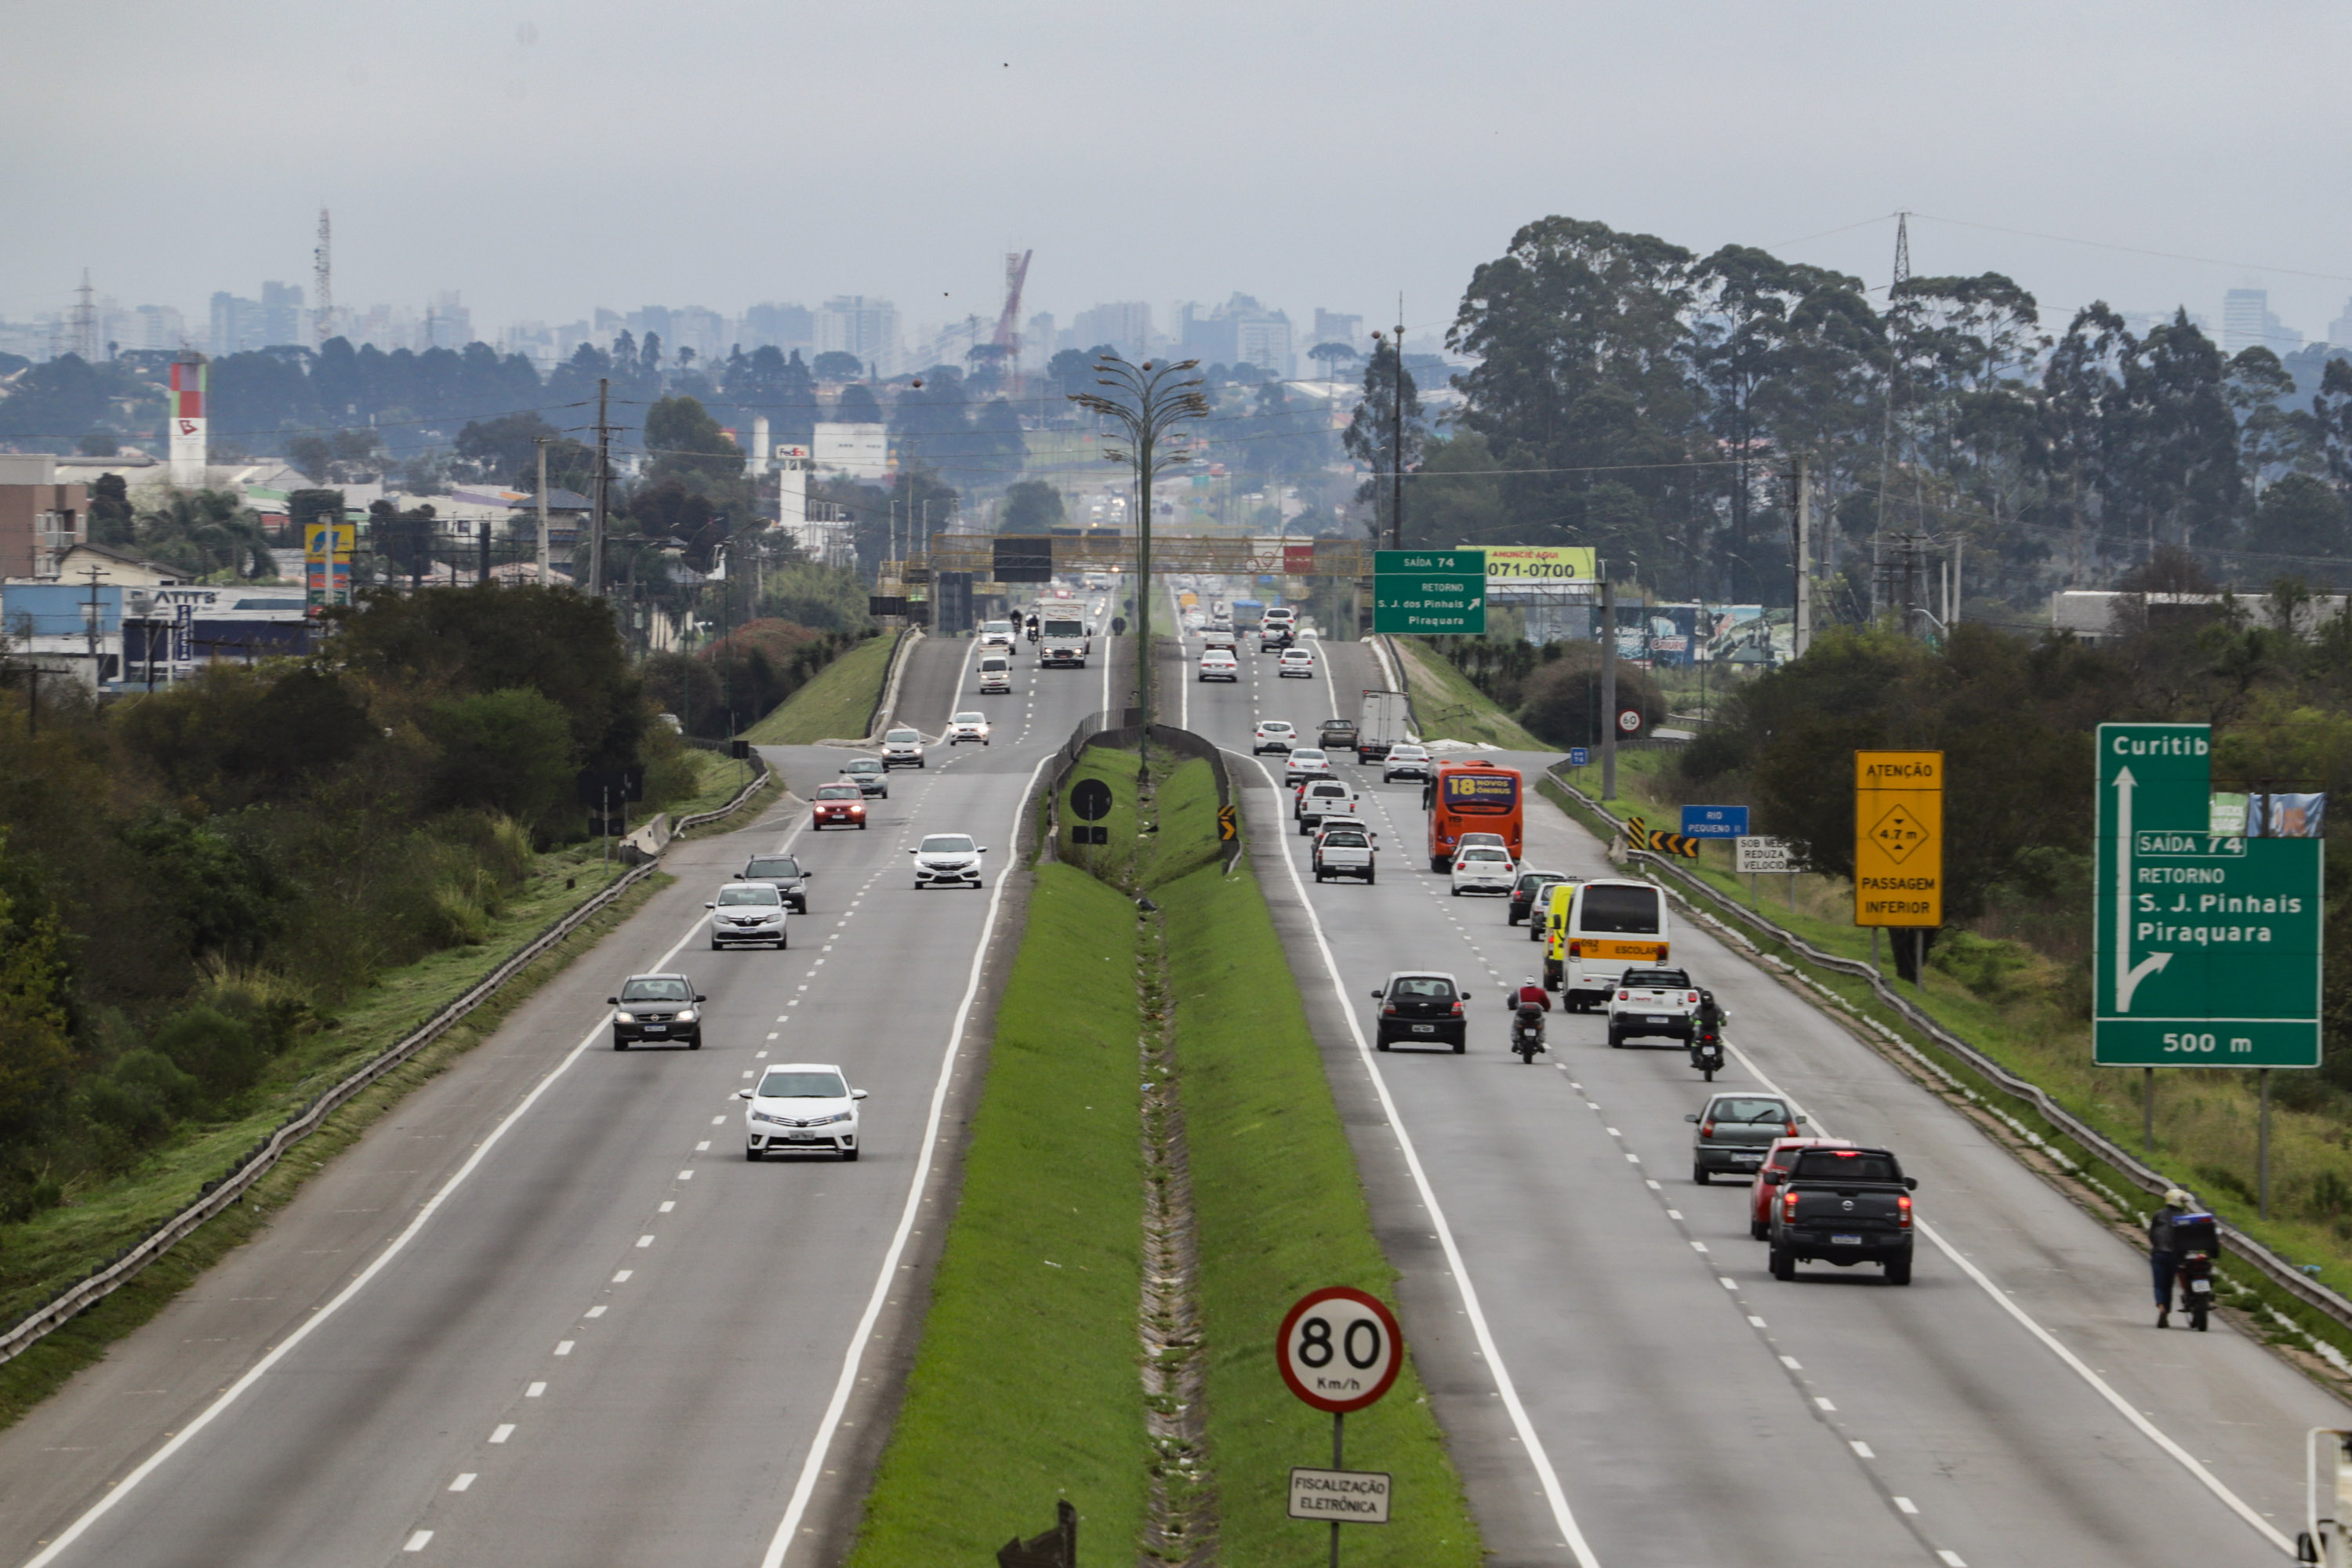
1371 435
505 445
835 365
690 448
856 405
2301 516
1031 506
206 535
1331 356
507 750
111 520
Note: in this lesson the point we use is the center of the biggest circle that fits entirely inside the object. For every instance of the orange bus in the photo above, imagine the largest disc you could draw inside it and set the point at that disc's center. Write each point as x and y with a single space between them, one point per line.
1473 797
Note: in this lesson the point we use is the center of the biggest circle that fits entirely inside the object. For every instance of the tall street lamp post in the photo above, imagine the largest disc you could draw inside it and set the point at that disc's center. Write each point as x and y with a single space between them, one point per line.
1146 401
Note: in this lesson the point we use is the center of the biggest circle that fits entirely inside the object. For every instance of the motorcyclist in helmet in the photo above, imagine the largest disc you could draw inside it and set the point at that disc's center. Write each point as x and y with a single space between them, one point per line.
1529 994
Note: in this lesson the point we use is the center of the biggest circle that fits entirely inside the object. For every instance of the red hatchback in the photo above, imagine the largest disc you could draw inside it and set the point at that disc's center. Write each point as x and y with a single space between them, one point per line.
839 805
1778 1158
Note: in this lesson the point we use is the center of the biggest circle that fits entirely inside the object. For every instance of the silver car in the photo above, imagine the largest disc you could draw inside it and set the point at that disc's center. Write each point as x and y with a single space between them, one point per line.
902 748
1736 1131
748 912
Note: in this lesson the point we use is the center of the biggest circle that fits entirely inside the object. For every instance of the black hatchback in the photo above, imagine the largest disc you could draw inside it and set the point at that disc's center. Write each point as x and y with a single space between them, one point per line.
784 873
1419 1009
1527 888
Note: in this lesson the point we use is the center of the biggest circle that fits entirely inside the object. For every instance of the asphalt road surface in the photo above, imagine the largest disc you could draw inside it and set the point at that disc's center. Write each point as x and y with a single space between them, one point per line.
1621 1378
545 1313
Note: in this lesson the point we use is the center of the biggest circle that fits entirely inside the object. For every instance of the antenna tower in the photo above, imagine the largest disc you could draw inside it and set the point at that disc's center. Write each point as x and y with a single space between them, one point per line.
323 276
1897 286
85 322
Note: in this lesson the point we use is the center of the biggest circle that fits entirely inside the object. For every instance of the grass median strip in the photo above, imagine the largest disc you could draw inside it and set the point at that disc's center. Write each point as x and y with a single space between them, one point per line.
1030 1382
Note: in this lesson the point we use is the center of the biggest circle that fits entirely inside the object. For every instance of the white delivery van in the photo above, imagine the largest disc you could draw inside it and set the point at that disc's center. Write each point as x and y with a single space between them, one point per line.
996 672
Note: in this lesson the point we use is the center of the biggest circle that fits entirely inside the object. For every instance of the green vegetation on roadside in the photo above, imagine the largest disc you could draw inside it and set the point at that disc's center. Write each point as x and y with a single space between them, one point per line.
1029 1382
1448 708
834 705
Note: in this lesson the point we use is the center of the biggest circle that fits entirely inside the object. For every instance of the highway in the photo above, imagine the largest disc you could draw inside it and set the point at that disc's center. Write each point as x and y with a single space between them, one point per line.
1620 1377
545 1313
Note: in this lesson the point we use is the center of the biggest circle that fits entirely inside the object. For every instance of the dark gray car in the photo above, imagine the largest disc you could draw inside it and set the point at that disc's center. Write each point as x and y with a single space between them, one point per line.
784 873
869 776
1735 1129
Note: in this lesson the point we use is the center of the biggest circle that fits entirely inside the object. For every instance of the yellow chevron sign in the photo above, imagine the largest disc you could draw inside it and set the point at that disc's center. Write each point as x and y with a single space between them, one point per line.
1642 836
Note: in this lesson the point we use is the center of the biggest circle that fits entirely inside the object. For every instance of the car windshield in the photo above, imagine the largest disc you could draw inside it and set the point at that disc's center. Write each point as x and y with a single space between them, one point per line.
1844 1165
1306 754
838 792
783 1084
662 990
903 738
1748 1107
1344 841
1435 988
947 844
1658 979
1274 727
773 865
1530 881
971 718
866 765
1483 852
996 626
762 894
1605 907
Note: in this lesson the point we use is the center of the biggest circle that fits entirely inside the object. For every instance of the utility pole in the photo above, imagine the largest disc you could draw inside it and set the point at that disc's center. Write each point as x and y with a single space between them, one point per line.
596 510
541 444
1896 287
1801 635
1396 439
1607 685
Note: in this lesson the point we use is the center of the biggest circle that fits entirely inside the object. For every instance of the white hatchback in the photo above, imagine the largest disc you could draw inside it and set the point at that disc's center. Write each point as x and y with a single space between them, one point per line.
947 860
1298 662
1483 868
1273 735
971 726
803 1106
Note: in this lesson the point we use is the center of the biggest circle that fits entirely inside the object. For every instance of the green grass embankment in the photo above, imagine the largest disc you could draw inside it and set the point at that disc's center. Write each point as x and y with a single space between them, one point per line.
1025 1387
1029 1382
1448 708
834 705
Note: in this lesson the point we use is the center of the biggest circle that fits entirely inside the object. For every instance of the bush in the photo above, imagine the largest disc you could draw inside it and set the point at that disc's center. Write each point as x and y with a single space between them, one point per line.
222 1054
1563 697
509 751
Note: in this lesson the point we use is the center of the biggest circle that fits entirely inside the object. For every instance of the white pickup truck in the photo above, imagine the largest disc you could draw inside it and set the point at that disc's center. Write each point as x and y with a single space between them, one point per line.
1652 1002
1344 849
1321 800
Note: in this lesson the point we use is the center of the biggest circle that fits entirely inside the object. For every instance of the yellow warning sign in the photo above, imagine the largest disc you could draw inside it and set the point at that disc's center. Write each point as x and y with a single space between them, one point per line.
1228 825
1899 839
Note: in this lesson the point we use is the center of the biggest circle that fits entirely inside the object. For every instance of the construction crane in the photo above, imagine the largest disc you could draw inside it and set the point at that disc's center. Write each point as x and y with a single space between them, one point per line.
322 281
1008 325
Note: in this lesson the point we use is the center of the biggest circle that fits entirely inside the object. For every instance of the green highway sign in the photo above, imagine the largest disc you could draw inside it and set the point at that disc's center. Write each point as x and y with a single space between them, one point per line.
2207 946
1429 592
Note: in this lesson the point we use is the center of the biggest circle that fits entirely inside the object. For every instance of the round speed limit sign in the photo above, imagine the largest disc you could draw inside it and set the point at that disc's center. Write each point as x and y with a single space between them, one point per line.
1629 720
1339 1349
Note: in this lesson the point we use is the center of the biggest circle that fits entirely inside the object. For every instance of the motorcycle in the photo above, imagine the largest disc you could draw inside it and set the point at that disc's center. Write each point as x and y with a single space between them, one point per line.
1707 1037
1528 1033
2197 1237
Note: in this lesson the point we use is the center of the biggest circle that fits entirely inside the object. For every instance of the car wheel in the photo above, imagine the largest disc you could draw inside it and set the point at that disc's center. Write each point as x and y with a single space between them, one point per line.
714 944
1898 1270
848 1155
1757 1231
1319 875
695 1044
783 940
1700 1174
1368 879
861 827
752 1154
619 1044
1381 1044
1784 1264
1455 891
1461 1045
1437 863
1616 1041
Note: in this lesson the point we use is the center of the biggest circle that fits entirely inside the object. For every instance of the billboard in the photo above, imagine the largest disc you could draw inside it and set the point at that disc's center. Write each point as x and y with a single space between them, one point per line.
861 451
1539 565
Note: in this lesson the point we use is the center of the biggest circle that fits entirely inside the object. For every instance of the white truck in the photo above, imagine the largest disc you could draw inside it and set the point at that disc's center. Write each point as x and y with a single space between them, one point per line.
1321 801
1344 848
1062 640
1385 723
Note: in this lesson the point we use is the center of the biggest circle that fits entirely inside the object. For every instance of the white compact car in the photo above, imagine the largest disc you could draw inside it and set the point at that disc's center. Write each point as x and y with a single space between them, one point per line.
1219 664
902 749
947 860
997 633
1298 662
1273 735
965 727
1491 840
1483 868
748 912
1652 1002
800 1105
1305 762
1405 761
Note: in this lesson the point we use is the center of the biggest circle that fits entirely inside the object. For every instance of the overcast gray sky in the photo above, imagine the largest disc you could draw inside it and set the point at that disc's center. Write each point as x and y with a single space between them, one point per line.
545 159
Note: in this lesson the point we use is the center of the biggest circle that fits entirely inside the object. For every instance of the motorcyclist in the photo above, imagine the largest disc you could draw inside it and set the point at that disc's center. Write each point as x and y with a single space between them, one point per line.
1706 1020
1529 994
2163 1255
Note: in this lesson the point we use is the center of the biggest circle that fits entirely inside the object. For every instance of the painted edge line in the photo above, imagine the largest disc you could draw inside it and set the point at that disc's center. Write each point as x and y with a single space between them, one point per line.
1562 1515
796 1508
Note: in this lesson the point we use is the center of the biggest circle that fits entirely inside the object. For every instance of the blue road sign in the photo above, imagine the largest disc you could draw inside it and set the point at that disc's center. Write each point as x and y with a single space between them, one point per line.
1579 756
1714 822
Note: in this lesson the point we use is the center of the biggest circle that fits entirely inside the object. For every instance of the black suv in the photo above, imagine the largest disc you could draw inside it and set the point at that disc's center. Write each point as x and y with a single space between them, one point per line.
1422 1009
782 873
657 1009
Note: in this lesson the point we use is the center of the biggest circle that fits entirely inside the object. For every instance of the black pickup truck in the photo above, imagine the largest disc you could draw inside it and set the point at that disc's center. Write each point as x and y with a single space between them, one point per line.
1843 1206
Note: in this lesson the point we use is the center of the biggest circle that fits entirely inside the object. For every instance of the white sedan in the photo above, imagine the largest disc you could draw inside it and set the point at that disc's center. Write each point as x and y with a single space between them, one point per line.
1298 662
1219 664
1305 762
947 860
1483 868
800 1105
1273 735
971 726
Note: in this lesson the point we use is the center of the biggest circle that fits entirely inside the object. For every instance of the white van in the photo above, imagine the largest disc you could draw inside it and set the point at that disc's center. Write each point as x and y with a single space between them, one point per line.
1596 930
996 672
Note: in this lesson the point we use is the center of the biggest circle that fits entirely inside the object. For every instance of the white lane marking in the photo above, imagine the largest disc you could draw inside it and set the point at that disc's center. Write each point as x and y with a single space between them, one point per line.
1789 1361
797 1507
1754 1321
534 1391
667 1204
505 1430
595 1311
688 1176
360 1282
2076 1363
715 1121
1822 1404
463 1481
417 1541
1904 1505
1861 1449
1562 1515
1949 1558
644 1241
563 1347
623 1277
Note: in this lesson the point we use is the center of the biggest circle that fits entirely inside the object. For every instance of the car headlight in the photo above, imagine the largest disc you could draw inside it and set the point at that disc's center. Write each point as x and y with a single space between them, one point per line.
763 1116
838 1116
686 1015
624 1017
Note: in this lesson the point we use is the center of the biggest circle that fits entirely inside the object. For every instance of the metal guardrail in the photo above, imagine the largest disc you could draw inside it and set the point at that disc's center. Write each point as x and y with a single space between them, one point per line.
230 1187
2269 1264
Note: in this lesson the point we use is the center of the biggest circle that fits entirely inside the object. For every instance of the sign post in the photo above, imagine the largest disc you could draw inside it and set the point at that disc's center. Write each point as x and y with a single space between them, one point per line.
1429 592
1090 803
1340 1349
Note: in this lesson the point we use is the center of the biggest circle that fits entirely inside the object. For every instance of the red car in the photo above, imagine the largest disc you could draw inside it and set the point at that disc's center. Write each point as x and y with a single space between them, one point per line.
1778 1158
840 805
